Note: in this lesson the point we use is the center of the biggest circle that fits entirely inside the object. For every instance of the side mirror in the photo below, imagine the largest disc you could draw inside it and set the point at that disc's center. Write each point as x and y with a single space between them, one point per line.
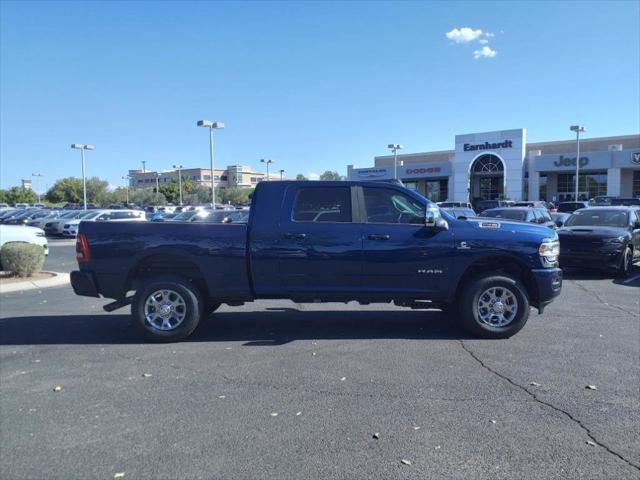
435 221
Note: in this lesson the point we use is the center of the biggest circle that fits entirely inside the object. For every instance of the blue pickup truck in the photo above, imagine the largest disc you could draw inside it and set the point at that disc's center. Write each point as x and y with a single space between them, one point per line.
323 242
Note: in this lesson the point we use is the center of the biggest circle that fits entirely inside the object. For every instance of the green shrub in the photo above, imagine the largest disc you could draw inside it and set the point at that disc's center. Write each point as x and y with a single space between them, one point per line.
23 259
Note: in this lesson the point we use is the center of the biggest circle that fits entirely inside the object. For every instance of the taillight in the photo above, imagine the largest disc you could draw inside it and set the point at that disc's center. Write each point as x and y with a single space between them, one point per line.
82 249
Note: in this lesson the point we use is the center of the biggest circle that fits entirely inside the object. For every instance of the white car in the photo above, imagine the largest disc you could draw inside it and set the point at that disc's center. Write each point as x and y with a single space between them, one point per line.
70 228
19 233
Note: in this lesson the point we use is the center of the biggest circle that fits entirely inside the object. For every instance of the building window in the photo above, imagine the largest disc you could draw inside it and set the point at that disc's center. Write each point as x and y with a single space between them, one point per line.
254 179
139 180
488 164
589 185
635 187
223 178
207 177
437 190
542 192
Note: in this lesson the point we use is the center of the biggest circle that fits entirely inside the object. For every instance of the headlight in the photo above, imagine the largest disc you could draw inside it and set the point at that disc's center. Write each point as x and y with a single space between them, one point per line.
615 241
549 250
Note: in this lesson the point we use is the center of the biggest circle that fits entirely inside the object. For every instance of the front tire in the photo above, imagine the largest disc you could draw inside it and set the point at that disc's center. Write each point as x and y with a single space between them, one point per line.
626 263
166 309
494 306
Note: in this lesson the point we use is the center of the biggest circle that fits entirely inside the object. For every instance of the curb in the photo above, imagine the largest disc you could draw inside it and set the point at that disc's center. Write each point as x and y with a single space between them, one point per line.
58 280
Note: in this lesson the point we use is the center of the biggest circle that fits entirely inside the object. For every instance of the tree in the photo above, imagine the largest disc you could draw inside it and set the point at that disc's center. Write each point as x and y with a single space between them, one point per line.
18 195
235 195
301 177
146 196
331 175
70 190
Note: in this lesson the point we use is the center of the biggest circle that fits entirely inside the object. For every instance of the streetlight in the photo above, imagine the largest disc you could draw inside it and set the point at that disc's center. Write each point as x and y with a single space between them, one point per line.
577 129
82 147
281 172
158 182
179 168
394 148
268 162
127 177
35 183
211 126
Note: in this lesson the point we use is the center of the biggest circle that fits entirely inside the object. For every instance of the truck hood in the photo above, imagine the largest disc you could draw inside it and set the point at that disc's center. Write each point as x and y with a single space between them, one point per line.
513 226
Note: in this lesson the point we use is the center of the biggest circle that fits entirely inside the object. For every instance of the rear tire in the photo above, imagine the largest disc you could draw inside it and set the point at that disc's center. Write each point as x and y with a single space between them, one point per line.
166 308
494 306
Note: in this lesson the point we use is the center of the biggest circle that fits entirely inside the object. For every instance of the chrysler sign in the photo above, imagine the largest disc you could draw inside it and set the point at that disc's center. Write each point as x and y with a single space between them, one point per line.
468 147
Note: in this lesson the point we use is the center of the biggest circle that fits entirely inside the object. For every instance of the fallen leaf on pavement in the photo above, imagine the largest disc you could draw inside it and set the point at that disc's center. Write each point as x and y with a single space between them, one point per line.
119 475
590 443
222 396
416 428
405 461
146 375
57 388
376 435
535 384
591 387
343 379
493 421
298 414
274 414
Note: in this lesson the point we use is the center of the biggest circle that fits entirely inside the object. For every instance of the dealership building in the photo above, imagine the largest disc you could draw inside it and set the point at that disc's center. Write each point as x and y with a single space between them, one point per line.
502 165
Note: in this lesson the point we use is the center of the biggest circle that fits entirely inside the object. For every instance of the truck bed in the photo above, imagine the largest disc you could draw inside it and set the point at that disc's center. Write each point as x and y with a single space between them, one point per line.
217 251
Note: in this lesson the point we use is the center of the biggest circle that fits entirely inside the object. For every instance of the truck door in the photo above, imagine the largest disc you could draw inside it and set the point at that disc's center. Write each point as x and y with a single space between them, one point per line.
400 254
320 246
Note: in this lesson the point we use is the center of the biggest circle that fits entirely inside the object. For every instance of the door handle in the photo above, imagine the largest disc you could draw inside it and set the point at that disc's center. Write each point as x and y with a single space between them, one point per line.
295 236
375 236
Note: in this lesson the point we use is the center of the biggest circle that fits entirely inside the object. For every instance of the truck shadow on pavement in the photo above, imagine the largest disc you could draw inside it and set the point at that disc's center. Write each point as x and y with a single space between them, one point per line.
264 328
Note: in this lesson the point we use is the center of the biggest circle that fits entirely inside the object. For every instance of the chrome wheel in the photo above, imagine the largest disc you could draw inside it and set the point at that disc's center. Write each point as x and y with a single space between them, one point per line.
165 309
497 307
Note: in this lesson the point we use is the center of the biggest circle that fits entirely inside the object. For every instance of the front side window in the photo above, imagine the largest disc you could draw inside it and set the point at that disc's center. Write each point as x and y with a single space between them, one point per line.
323 204
385 205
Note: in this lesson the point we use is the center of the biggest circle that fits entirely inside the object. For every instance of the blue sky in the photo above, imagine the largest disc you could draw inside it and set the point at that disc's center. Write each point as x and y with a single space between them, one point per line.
311 85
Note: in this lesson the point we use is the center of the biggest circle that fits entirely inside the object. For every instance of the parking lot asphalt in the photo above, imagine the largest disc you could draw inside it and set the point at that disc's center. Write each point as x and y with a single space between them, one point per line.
279 390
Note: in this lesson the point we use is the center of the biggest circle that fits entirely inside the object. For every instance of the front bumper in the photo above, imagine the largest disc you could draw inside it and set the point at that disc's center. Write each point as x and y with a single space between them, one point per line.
600 259
548 285
84 284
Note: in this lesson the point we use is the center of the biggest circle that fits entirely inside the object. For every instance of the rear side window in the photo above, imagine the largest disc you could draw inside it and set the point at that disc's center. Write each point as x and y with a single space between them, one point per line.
323 204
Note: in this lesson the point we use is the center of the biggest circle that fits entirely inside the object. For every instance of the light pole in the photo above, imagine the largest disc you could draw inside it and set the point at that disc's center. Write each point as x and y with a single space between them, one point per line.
37 175
394 148
577 129
281 172
179 168
127 177
144 166
268 162
211 126
82 147
157 182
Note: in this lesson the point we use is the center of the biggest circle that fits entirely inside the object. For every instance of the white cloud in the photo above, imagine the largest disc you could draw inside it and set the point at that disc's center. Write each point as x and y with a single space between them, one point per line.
464 35
484 52
483 41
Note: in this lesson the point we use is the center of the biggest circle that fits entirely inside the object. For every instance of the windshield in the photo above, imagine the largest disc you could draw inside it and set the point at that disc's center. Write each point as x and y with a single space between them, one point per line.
184 216
505 213
598 218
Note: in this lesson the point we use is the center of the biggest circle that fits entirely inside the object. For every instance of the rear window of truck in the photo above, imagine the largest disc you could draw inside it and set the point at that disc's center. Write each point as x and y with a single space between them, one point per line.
323 204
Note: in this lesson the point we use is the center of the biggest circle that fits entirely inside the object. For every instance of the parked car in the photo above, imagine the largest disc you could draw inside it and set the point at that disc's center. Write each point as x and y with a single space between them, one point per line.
606 238
21 233
4 206
559 218
569 207
535 204
70 228
455 205
322 241
41 221
483 205
601 201
460 213
56 226
187 215
23 206
629 202
161 216
26 217
39 205
539 216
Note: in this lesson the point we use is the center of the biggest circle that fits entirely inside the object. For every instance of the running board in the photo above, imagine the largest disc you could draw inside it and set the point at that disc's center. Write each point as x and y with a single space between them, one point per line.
110 307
